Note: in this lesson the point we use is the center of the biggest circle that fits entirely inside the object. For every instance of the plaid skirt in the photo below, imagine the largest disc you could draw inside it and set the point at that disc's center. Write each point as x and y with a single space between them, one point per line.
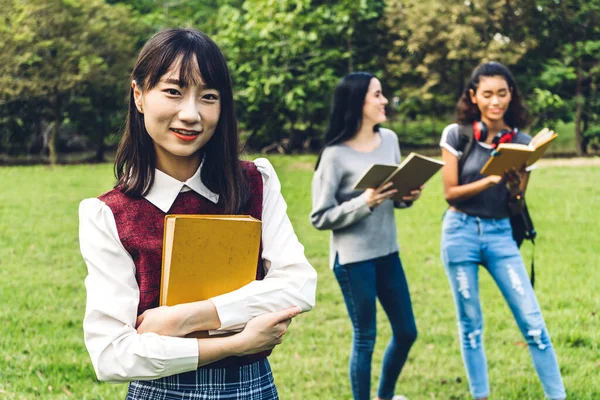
247 382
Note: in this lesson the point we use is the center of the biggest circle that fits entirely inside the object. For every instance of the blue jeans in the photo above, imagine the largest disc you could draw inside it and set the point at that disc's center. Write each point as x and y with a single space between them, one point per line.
467 242
361 283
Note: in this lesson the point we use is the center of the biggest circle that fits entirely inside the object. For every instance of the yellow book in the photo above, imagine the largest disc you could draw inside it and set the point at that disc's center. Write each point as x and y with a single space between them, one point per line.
514 155
207 255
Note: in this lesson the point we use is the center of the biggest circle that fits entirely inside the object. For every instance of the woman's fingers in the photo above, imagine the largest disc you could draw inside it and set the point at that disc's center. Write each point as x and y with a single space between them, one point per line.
385 187
375 197
386 195
286 323
284 317
139 320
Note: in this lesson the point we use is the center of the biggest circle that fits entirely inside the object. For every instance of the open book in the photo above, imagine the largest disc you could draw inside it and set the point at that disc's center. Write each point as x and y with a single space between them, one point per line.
207 255
514 155
413 172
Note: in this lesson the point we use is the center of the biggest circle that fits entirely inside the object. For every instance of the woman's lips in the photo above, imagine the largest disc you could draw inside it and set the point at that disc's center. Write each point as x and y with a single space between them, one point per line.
184 134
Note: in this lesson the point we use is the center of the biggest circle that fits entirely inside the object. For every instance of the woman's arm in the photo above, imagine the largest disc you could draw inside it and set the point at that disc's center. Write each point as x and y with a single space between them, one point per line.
327 213
455 192
290 280
260 334
117 351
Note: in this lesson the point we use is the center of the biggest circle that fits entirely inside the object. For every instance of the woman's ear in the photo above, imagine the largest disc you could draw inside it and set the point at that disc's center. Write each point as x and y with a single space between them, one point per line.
137 96
472 96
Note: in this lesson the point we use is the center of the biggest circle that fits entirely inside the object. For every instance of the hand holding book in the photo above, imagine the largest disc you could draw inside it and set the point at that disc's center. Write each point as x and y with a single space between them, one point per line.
512 179
414 194
407 179
514 155
378 195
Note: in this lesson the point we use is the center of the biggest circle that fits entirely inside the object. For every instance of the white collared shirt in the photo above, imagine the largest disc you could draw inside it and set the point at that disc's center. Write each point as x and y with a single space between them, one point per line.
117 351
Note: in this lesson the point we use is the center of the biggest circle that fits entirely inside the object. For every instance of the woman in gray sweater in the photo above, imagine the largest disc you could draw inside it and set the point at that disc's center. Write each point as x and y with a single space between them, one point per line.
364 245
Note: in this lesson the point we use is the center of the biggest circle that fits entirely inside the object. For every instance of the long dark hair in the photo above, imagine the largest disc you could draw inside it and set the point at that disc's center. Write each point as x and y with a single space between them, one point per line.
136 159
467 112
347 108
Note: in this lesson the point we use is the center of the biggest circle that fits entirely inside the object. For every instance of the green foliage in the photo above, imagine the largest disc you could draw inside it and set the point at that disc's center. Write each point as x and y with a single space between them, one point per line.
549 108
436 44
286 57
67 61
70 57
570 67
160 14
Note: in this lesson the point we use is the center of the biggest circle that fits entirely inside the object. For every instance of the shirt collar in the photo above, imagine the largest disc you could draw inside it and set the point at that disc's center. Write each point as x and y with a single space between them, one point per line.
165 189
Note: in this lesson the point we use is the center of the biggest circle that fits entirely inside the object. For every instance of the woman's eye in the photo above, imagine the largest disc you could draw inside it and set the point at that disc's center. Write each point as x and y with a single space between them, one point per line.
210 97
173 92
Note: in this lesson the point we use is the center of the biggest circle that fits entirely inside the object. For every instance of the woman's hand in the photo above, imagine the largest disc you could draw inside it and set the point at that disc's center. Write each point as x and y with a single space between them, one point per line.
265 331
492 180
163 320
414 194
377 196
512 179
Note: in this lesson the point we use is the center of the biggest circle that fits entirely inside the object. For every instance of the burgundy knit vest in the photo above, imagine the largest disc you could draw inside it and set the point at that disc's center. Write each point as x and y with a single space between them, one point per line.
140 225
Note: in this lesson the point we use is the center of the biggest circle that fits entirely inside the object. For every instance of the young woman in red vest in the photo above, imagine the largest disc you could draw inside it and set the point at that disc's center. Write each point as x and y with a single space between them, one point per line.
179 154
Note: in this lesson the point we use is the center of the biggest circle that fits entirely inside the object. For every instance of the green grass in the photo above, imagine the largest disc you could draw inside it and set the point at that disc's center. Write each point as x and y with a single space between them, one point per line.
42 354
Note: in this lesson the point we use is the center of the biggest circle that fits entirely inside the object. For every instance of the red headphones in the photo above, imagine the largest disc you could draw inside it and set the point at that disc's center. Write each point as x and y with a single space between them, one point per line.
480 133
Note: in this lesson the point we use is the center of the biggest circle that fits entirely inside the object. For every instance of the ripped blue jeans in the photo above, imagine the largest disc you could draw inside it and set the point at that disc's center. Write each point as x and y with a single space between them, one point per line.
468 242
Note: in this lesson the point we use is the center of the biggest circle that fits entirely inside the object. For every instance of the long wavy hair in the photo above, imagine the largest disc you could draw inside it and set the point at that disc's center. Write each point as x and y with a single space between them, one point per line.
467 112
135 161
347 109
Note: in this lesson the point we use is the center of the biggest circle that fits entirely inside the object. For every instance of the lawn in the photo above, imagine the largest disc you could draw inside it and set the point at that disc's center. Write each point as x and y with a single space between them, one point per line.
42 354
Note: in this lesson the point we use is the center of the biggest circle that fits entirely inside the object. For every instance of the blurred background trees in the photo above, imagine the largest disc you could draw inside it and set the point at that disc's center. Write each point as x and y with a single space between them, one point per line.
65 64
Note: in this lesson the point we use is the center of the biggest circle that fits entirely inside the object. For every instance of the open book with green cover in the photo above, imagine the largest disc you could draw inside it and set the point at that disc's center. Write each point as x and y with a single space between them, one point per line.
515 155
413 172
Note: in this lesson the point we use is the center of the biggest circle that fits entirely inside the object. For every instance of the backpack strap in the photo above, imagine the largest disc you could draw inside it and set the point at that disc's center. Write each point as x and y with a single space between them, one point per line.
532 277
465 143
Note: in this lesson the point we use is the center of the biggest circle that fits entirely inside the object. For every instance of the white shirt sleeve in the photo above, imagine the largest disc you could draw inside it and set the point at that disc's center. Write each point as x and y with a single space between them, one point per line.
290 279
117 351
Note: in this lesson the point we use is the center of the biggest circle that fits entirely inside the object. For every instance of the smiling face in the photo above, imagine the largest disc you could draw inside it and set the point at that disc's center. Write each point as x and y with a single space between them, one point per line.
375 102
180 118
492 97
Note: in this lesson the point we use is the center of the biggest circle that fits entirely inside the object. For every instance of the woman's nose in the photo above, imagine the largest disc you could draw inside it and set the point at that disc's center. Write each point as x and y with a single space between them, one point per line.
189 111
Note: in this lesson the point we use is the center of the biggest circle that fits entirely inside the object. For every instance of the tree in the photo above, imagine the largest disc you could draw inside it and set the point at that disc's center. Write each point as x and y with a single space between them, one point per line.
286 57
57 49
435 44
200 14
570 67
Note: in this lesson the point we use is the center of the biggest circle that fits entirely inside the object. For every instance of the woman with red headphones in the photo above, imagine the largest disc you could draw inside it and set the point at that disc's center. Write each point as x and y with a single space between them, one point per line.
476 229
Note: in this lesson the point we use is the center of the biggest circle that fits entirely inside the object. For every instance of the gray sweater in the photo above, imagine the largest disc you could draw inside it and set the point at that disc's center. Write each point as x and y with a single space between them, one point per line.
357 232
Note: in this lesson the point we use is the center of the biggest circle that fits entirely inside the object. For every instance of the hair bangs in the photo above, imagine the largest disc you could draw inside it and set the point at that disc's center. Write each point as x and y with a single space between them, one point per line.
202 63
157 66
189 72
